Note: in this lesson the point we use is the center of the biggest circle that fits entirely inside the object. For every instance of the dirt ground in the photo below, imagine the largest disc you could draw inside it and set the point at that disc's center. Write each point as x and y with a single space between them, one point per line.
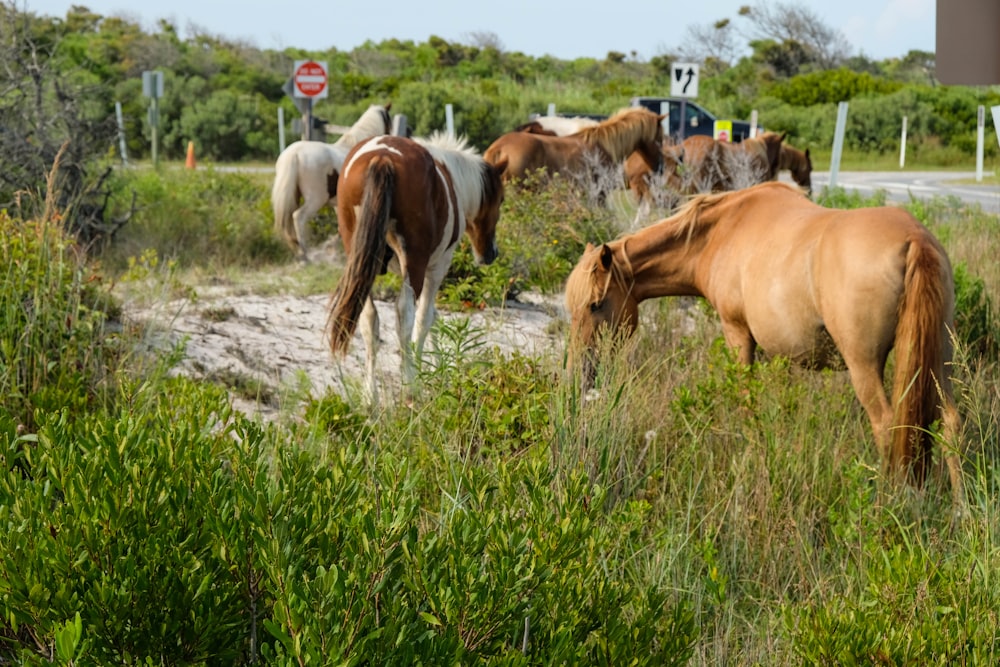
279 342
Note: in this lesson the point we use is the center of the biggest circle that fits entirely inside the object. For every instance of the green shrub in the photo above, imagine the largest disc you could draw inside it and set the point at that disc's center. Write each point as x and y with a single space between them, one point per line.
56 345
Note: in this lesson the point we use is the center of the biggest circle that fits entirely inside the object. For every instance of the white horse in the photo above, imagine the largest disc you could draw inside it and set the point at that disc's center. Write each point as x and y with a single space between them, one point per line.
560 126
308 170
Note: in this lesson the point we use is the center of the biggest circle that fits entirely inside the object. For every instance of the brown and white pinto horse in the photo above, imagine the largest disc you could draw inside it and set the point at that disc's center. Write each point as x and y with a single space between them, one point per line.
802 281
403 204
308 171
605 145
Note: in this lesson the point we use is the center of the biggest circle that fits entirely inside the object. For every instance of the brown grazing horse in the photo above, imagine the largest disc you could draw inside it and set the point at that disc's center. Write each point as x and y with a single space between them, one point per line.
403 204
802 281
799 164
702 164
606 145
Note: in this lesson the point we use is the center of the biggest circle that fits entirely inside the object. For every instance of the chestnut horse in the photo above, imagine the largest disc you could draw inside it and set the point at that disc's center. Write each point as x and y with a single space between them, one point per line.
403 204
799 164
798 280
604 145
307 171
703 164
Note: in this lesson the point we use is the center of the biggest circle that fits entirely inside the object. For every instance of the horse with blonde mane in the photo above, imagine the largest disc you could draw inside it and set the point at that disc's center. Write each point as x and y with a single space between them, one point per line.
583 153
403 205
308 171
803 281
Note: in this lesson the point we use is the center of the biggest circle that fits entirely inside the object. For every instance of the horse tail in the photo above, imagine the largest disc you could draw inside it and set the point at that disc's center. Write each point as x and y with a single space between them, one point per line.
922 349
366 256
285 196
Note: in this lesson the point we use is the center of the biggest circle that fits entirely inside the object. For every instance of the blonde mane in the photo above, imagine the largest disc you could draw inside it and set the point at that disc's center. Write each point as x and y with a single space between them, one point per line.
618 135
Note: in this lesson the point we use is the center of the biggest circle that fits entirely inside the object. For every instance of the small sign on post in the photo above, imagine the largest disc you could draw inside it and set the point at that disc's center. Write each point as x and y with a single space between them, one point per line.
684 79
152 87
309 80
723 130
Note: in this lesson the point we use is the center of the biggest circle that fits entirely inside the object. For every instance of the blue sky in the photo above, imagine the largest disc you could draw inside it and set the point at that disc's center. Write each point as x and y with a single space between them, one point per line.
585 28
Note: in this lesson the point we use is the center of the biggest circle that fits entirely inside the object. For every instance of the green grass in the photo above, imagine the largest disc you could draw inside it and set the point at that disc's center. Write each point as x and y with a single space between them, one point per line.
688 511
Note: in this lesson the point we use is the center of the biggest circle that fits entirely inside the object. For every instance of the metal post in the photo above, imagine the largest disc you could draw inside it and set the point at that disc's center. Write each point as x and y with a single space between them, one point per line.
155 122
449 119
838 143
902 146
399 125
308 130
121 133
980 134
753 124
281 130
552 109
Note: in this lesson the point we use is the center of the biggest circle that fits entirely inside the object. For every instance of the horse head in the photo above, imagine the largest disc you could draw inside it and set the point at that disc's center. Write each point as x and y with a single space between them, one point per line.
801 170
601 302
482 229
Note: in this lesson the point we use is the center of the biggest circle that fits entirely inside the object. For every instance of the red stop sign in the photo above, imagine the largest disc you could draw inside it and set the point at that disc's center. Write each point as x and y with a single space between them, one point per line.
310 79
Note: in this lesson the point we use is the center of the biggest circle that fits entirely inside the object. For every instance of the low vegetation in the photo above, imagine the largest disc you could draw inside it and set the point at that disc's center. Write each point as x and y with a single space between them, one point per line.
689 511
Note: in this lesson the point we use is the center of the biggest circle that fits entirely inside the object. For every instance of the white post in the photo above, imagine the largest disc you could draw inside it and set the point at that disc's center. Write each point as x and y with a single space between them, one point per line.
281 130
753 124
996 120
838 143
121 133
980 125
552 109
902 146
665 112
399 125
449 118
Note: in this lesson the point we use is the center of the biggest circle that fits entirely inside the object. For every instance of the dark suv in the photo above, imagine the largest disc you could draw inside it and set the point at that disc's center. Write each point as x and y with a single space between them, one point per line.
696 119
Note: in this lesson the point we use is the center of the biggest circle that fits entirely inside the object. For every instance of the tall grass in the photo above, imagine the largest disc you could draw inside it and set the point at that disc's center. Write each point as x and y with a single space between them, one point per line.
690 510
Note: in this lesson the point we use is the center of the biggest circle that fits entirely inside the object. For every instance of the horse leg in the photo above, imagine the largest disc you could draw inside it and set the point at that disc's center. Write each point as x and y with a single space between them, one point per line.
405 304
302 215
738 338
368 323
952 452
426 311
868 381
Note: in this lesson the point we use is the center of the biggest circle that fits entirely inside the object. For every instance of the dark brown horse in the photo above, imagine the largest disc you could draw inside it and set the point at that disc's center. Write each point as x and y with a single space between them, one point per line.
604 145
802 281
703 164
799 164
403 204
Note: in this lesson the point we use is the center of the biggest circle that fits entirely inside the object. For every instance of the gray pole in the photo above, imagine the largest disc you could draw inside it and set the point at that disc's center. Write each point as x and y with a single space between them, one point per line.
449 119
980 138
838 143
155 124
281 130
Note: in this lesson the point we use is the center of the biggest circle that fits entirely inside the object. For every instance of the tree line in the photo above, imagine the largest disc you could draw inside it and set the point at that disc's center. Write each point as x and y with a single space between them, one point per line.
64 76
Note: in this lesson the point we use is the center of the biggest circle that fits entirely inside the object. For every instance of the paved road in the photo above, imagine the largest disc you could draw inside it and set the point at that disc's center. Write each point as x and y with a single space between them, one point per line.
922 184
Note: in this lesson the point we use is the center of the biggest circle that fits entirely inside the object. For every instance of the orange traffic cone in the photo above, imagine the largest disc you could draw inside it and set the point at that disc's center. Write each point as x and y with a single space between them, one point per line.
190 156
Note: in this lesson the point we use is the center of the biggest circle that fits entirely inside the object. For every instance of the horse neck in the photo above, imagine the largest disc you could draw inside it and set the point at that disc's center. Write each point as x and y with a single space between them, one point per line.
662 259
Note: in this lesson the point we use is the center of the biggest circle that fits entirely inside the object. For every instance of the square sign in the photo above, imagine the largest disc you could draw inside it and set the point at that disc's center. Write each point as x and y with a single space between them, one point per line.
309 79
684 80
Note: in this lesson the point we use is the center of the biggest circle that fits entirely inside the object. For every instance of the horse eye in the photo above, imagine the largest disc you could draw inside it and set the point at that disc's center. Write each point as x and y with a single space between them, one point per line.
596 306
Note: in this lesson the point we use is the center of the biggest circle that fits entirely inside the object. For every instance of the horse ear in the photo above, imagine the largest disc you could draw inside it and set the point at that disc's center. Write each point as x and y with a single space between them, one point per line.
590 246
807 153
784 135
388 106
500 167
606 256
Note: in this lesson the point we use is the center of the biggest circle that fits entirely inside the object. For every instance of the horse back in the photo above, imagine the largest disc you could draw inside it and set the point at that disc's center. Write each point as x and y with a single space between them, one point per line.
424 206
